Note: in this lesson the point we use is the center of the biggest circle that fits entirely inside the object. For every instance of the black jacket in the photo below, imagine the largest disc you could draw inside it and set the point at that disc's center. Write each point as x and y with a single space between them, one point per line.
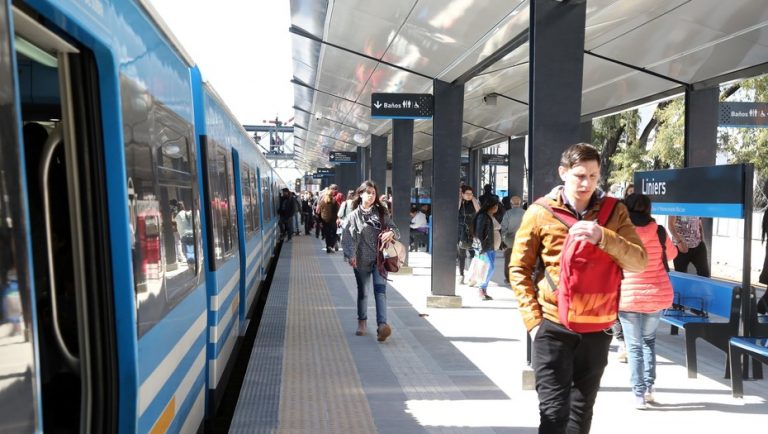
484 232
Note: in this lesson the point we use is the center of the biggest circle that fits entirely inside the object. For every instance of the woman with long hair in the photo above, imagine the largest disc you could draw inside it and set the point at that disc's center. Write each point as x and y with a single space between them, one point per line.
643 296
468 207
486 230
368 226
328 210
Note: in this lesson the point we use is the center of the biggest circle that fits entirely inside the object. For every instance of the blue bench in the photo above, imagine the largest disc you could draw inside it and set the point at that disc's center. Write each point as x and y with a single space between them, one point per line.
739 346
704 308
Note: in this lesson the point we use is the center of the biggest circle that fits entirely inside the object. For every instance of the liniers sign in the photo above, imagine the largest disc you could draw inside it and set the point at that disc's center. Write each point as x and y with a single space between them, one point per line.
338 157
743 114
401 106
714 191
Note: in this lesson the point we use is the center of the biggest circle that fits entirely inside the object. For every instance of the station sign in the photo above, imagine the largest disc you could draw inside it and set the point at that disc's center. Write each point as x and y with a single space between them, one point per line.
496 160
713 191
338 157
402 106
743 114
324 172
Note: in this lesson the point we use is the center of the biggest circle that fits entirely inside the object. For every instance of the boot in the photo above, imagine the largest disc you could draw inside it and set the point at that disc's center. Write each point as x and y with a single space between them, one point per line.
361 327
383 332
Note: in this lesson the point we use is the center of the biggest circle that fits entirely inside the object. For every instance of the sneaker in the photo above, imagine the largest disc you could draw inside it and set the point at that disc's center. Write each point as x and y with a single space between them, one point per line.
640 402
484 295
649 396
461 280
383 332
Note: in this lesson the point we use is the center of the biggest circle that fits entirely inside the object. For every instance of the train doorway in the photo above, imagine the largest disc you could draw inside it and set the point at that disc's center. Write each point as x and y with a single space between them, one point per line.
69 309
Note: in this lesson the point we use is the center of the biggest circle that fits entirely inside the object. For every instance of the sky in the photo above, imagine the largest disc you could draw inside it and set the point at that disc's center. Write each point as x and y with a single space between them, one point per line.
243 49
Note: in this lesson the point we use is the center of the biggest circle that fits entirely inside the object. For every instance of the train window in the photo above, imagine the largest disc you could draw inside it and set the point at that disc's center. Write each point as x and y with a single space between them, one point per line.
245 181
163 209
266 198
255 200
221 194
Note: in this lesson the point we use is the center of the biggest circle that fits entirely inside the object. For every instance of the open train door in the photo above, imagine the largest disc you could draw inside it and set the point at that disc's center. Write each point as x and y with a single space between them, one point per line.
57 320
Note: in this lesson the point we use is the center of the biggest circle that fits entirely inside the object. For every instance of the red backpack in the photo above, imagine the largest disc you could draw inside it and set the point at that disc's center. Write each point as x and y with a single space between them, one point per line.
590 280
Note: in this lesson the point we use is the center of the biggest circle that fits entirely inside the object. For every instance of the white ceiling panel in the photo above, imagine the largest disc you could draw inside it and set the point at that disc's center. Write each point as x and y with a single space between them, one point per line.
610 19
345 74
440 32
309 15
366 26
515 23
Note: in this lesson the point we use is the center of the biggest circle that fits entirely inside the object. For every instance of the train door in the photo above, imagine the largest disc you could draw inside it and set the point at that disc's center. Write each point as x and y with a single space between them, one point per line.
59 293
240 173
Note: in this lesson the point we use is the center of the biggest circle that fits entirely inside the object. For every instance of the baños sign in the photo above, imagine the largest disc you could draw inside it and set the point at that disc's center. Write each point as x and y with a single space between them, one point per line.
714 191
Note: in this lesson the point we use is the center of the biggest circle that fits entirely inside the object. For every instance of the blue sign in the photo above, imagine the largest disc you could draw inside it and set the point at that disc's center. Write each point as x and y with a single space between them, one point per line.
339 157
714 191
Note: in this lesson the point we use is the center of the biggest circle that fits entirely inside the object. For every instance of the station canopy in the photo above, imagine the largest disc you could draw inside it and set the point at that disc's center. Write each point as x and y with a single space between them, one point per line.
634 52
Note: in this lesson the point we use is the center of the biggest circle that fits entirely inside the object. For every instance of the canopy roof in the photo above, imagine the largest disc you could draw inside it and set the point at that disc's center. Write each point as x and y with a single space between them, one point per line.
635 52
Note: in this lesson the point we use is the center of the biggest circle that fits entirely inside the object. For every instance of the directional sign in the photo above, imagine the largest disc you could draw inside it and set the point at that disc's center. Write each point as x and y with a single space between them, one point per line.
744 114
324 172
401 106
338 157
496 160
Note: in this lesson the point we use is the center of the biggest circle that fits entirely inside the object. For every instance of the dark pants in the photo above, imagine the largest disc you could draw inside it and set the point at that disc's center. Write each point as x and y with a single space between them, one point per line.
286 227
507 257
329 232
697 256
318 226
463 258
568 369
307 220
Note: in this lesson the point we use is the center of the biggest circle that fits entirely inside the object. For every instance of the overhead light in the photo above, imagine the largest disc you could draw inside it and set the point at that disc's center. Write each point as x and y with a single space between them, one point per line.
490 99
359 138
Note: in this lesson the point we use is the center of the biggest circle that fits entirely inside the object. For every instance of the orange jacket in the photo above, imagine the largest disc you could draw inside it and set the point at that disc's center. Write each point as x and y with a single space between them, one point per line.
650 290
542 235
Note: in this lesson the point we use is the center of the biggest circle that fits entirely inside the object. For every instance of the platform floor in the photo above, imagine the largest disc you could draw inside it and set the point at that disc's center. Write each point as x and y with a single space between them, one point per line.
442 370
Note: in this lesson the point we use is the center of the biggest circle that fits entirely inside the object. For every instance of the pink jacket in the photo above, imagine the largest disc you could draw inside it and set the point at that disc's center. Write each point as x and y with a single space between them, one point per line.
650 290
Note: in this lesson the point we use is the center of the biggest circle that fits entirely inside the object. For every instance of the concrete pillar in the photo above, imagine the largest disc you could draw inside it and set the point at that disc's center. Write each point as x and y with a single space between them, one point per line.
402 175
379 161
516 176
446 129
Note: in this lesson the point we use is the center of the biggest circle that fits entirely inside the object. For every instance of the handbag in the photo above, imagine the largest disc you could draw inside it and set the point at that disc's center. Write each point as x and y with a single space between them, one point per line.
394 256
478 269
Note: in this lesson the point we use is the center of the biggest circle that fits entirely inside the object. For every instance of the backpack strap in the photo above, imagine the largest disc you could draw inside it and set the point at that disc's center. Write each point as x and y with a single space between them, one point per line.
561 215
606 209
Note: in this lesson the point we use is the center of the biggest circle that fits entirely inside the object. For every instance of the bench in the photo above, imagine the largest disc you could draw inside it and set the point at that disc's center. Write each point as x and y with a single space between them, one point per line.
704 308
739 346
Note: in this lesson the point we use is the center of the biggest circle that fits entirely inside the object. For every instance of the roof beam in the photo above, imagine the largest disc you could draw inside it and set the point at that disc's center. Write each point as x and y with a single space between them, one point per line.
303 33
497 55
637 68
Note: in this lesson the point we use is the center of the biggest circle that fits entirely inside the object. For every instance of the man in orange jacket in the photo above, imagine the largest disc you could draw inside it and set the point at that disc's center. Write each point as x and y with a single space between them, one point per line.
568 365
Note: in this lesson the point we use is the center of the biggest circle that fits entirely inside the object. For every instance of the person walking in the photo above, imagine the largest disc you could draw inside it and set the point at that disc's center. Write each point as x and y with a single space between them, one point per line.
510 223
366 228
687 236
328 210
286 209
643 296
486 231
468 207
568 365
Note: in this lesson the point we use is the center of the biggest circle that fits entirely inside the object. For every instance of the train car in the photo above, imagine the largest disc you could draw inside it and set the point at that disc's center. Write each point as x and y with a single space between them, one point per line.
137 221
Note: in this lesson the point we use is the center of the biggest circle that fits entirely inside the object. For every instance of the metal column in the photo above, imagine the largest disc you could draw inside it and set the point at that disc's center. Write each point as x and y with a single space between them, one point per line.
364 162
475 171
402 176
379 162
556 70
426 174
700 145
516 175
446 160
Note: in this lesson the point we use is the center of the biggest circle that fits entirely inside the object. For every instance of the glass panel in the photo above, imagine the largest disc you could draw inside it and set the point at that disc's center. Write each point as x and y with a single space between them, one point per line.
245 181
255 201
163 209
221 196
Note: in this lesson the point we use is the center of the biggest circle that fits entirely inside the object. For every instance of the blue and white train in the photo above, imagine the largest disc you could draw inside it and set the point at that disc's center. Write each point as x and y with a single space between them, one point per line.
137 223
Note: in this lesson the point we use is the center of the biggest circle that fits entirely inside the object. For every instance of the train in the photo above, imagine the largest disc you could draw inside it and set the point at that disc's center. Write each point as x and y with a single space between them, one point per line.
138 222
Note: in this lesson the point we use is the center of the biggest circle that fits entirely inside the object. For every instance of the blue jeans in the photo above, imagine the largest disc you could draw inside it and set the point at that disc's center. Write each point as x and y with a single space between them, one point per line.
491 256
363 276
640 338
